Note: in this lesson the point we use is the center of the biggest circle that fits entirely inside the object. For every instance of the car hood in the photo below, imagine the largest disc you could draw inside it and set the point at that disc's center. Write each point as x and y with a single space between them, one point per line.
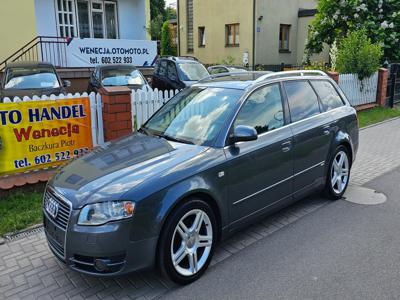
110 171
30 93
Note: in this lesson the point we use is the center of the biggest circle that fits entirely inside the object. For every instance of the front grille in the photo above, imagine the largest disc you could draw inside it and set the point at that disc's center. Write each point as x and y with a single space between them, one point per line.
64 210
56 227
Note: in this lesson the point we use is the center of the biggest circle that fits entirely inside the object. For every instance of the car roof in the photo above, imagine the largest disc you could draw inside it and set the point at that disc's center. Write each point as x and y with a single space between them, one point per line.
115 66
244 80
28 64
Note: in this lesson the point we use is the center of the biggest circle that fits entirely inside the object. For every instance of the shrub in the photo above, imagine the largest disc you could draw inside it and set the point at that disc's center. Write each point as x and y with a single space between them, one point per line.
358 55
167 46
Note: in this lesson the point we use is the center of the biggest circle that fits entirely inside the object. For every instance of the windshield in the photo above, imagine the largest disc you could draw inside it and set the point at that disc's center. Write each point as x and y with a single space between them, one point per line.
192 71
31 78
194 115
121 77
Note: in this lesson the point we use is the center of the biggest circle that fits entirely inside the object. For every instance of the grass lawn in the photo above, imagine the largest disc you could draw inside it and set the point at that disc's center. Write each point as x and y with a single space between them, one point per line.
377 114
19 210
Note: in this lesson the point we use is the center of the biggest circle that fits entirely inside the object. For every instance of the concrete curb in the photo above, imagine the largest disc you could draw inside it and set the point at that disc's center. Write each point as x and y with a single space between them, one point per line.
380 123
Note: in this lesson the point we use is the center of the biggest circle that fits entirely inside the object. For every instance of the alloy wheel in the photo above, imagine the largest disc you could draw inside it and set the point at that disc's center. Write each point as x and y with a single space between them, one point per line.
191 242
340 172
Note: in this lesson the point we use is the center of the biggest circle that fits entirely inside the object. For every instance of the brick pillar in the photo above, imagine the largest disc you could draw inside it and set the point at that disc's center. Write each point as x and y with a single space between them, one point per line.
334 76
117 112
383 75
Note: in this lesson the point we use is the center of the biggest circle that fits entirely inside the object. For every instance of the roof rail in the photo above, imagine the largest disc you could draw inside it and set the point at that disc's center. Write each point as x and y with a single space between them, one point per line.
188 57
229 74
178 57
291 73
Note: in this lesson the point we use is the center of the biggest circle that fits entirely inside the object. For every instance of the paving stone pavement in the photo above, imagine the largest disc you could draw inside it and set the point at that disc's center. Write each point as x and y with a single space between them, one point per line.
379 152
28 270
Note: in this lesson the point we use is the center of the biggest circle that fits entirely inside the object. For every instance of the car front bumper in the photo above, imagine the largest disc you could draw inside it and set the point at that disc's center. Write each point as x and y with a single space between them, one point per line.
105 250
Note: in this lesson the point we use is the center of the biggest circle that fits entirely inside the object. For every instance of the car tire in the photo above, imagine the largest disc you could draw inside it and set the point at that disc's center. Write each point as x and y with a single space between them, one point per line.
186 248
338 174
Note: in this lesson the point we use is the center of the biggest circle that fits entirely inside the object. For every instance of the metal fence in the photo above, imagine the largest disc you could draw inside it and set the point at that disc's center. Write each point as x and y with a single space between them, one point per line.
43 49
393 88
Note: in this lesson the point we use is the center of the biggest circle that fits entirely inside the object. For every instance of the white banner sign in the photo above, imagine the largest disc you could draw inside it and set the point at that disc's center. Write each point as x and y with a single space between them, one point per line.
93 52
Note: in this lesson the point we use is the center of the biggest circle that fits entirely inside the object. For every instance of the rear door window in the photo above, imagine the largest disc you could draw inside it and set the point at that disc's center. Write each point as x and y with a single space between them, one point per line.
327 94
303 102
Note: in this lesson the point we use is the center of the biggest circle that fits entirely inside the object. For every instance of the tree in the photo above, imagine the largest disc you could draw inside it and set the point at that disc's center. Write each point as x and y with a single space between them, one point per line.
171 13
157 16
157 8
357 55
167 46
155 28
335 18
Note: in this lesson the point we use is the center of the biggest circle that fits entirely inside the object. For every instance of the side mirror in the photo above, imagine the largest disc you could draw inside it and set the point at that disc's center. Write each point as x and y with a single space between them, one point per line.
66 83
243 133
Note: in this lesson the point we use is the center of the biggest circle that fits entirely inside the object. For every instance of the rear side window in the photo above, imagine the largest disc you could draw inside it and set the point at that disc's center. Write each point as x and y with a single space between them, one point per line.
172 74
156 67
303 102
262 110
162 68
328 95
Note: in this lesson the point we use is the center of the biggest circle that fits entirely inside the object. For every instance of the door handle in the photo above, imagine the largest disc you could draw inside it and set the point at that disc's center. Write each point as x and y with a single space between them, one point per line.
286 146
327 129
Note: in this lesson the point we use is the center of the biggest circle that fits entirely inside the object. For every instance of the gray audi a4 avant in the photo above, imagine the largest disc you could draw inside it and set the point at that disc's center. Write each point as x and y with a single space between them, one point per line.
216 157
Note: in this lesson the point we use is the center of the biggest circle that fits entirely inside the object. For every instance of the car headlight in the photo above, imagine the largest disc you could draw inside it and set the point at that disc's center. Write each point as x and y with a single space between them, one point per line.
104 212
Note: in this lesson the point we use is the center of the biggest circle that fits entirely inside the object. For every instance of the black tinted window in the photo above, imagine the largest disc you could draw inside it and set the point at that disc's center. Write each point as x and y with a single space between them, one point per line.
156 67
162 68
303 101
327 93
172 74
262 110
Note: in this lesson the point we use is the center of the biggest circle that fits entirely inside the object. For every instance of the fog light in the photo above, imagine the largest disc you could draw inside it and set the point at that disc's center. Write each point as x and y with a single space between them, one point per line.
100 265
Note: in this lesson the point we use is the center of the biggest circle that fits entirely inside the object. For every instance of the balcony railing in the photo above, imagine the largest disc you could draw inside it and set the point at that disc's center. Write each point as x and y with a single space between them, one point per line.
41 49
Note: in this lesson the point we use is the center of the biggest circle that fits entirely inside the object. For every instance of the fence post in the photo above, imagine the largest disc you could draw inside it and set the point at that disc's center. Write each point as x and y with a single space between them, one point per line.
334 76
117 112
393 78
382 87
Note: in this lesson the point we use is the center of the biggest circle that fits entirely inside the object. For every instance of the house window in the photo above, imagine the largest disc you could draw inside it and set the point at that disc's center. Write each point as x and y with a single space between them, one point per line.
202 36
95 18
66 18
189 7
232 35
284 36
83 19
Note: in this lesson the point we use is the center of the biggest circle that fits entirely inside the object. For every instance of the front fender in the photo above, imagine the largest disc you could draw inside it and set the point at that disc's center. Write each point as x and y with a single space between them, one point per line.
196 185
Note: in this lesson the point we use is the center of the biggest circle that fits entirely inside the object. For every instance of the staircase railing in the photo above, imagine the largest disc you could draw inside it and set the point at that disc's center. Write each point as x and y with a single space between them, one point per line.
42 49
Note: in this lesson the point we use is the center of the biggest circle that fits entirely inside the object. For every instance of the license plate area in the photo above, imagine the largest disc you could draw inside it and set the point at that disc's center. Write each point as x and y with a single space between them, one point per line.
54 232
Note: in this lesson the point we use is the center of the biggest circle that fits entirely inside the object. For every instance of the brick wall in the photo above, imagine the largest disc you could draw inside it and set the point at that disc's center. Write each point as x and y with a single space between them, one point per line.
117 112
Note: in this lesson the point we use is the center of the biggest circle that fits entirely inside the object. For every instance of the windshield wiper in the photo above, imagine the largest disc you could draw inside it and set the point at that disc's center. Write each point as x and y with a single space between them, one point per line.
174 139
